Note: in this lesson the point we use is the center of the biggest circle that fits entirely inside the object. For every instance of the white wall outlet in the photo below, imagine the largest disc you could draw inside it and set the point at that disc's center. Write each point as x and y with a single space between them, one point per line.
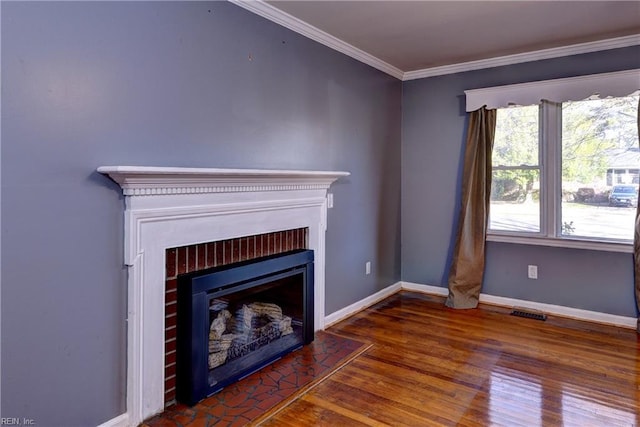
329 200
532 272
367 268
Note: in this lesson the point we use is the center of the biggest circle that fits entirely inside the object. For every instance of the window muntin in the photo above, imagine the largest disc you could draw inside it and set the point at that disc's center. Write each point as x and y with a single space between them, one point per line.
568 197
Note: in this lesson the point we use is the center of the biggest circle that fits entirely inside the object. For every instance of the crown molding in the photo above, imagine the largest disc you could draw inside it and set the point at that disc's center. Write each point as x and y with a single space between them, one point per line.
261 8
537 55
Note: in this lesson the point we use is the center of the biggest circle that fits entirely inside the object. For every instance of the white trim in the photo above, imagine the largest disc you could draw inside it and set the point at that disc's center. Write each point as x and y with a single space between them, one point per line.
425 289
562 243
621 83
219 204
358 306
261 8
557 310
149 181
119 421
267 11
537 55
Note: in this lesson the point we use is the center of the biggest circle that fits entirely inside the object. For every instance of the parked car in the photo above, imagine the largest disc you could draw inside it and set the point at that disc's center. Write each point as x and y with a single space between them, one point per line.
624 195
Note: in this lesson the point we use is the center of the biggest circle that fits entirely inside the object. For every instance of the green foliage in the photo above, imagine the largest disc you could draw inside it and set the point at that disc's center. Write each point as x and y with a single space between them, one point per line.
590 129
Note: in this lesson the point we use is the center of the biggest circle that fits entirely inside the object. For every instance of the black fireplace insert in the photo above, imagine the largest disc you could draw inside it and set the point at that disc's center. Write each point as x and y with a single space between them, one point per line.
236 319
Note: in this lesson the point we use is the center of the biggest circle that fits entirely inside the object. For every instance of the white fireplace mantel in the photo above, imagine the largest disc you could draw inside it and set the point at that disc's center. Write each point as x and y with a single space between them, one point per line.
170 207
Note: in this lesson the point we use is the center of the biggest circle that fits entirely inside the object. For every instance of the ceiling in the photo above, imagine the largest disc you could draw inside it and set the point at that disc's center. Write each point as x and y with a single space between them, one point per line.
406 36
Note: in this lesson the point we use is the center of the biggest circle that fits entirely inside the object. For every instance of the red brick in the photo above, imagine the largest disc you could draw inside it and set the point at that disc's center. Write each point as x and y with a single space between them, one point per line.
271 245
227 247
169 346
169 371
170 321
201 260
170 358
251 247
169 398
171 255
182 260
170 308
236 250
169 383
259 246
170 333
171 285
219 253
191 258
211 254
277 237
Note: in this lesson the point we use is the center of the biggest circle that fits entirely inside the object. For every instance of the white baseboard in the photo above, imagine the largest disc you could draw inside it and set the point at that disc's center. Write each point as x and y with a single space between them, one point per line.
556 310
560 310
119 421
356 307
425 289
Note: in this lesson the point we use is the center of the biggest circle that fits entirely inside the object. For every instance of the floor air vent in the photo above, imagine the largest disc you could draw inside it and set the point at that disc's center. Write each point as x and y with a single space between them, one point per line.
529 314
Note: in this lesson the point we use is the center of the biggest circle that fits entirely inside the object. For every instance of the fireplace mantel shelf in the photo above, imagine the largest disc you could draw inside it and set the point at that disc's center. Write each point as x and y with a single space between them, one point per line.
148 180
169 207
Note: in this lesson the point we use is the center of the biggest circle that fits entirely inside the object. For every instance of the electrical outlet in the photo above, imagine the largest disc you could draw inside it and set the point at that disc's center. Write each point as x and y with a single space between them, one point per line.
532 272
367 268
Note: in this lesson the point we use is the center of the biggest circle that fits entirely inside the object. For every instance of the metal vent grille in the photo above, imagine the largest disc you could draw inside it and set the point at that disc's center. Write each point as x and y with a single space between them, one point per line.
529 314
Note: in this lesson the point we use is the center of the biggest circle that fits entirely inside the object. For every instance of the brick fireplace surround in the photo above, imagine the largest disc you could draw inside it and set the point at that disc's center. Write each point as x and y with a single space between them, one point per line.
167 208
188 259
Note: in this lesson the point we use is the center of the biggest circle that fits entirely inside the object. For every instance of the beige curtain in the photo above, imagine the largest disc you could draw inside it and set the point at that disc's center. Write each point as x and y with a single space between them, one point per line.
636 246
467 268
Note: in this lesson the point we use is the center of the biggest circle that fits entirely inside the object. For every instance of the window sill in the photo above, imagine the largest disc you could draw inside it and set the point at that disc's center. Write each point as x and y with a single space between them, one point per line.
563 243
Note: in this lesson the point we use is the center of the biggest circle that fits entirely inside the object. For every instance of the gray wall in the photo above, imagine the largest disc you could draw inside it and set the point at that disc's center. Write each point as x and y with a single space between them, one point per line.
433 131
197 84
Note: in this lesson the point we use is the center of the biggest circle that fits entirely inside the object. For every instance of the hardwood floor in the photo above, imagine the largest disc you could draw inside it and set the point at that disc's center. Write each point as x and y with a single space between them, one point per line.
430 365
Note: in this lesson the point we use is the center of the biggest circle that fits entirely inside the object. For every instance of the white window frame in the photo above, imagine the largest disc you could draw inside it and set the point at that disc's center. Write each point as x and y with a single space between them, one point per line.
550 94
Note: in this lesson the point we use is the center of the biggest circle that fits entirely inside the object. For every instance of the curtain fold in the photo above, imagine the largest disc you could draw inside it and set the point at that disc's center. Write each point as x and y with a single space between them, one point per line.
636 246
467 268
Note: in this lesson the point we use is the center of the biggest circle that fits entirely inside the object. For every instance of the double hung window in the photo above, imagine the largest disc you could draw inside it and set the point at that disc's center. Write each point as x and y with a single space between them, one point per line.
565 173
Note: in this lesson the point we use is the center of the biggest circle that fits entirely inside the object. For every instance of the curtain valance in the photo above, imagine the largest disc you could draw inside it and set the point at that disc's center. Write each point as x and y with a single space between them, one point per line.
621 83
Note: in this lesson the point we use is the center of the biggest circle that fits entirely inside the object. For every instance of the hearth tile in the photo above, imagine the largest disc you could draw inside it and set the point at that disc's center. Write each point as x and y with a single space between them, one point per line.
251 397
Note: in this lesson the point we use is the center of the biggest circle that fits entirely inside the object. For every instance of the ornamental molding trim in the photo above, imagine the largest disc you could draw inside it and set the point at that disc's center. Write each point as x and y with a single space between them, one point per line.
150 181
519 58
173 207
619 83
267 11
273 14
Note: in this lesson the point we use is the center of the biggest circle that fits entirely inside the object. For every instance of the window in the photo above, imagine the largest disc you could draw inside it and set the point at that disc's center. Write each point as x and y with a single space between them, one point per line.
566 171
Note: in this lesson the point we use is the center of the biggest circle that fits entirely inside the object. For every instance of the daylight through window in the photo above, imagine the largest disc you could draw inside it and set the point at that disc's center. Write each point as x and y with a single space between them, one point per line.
567 170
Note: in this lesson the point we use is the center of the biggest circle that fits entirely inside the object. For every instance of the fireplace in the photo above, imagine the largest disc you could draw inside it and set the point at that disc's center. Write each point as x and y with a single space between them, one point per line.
235 319
168 207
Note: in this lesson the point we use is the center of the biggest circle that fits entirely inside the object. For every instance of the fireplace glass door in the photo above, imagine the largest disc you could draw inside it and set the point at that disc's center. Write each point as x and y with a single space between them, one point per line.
236 319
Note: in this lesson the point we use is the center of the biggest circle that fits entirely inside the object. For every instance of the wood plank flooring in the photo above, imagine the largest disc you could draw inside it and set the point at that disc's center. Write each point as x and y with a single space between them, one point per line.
433 366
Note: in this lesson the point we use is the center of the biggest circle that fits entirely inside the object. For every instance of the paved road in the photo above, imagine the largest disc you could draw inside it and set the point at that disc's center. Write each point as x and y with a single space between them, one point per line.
588 221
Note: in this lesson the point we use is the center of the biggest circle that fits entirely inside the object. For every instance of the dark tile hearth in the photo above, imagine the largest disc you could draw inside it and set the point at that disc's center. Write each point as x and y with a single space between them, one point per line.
275 385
